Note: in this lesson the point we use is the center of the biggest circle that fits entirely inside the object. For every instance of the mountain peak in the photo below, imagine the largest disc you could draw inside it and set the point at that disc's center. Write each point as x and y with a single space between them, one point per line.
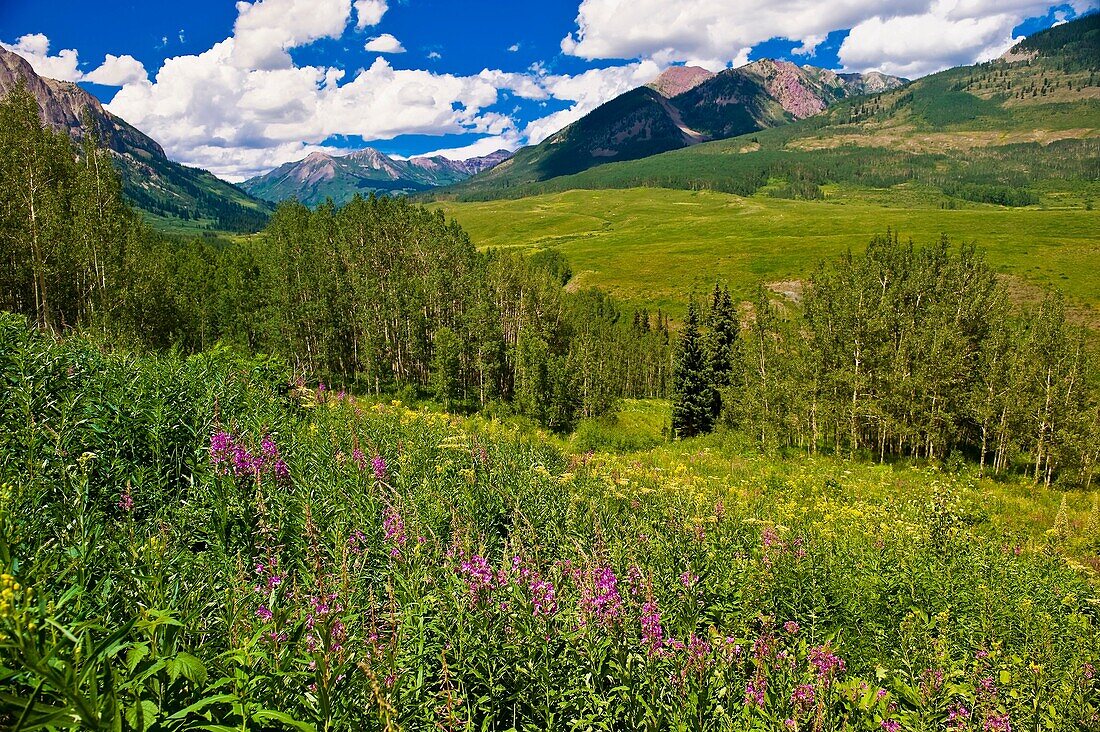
676 80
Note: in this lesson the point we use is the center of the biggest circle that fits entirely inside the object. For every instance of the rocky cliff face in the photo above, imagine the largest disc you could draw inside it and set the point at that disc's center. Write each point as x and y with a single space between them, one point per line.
676 80
63 105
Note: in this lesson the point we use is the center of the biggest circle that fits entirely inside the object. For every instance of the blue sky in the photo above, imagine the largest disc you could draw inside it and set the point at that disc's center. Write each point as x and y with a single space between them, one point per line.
241 88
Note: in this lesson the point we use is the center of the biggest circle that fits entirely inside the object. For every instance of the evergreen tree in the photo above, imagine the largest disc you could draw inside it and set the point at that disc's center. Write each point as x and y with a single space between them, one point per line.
692 398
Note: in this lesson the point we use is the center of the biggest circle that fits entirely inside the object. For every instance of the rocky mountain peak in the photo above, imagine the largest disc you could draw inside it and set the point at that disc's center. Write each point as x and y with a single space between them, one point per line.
676 80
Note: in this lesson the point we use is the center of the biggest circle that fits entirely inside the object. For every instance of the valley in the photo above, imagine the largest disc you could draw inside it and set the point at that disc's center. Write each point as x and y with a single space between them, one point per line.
652 247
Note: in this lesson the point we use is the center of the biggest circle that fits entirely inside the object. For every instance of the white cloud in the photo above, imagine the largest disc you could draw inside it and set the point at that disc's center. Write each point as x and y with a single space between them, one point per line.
435 55
117 71
384 43
484 146
909 37
513 48
369 12
266 29
587 91
35 48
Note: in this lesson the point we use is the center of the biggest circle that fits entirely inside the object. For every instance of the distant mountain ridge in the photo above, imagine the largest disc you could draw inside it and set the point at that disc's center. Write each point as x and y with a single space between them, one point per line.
150 180
684 106
320 176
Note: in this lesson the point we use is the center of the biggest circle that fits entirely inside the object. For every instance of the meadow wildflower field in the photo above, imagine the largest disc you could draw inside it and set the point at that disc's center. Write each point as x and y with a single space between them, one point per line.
202 543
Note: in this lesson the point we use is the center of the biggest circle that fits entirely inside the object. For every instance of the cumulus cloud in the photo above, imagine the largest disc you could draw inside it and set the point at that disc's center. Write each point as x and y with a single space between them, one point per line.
265 30
910 37
118 71
513 48
587 91
484 146
35 48
369 12
384 43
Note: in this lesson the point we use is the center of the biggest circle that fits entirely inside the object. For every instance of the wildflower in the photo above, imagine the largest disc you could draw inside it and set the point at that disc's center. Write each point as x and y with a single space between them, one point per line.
264 614
126 501
754 692
653 635
958 717
268 448
357 542
543 597
698 653
791 627
997 723
601 599
359 458
688 580
890 725
220 445
478 576
790 723
803 697
1088 671
378 464
825 662
394 528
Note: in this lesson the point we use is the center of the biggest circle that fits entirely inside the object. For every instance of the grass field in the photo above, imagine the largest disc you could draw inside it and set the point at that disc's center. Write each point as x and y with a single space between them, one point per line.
653 246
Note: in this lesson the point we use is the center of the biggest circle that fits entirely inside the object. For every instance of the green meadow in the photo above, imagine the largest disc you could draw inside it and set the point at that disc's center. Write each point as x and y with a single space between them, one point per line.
653 246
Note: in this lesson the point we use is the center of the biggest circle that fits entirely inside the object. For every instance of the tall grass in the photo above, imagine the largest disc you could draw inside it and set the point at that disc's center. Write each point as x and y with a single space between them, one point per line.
197 544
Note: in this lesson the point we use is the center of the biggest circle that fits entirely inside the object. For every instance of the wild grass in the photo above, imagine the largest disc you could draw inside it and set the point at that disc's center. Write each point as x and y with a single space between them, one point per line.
653 247
197 544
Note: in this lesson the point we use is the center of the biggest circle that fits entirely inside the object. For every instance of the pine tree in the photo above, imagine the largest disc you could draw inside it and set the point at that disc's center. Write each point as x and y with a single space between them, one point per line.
692 403
722 345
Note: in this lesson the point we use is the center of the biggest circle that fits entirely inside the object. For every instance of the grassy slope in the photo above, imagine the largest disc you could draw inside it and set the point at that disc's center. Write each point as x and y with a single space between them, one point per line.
654 246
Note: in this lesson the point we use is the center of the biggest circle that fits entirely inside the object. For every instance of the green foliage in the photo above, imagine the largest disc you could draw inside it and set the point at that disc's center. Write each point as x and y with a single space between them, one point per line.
693 393
156 573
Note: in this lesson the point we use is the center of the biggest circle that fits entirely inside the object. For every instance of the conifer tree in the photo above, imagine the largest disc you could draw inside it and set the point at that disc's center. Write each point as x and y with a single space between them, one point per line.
692 400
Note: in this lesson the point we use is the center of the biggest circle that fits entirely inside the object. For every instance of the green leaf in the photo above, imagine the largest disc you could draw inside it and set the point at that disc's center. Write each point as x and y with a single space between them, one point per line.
269 715
188 666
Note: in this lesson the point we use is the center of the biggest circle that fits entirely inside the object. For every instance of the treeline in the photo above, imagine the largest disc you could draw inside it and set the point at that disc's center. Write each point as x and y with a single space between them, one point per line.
378 295
901 352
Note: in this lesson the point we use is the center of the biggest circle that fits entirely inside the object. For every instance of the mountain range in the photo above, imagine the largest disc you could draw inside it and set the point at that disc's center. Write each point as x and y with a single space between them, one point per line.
685 106
168 191
989 133
321 176
1032 113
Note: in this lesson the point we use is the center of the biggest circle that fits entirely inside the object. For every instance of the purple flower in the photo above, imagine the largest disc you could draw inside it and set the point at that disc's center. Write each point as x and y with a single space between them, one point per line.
754 692
890 725
357 542
825 662
478 576
803 697
394 528
653 635
543 597
688 580
997 723
378 464
600 598
126 501
263 613
359 458
791 627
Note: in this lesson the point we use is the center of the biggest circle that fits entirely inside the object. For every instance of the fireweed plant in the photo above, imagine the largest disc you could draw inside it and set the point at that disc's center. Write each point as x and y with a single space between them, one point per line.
201 543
